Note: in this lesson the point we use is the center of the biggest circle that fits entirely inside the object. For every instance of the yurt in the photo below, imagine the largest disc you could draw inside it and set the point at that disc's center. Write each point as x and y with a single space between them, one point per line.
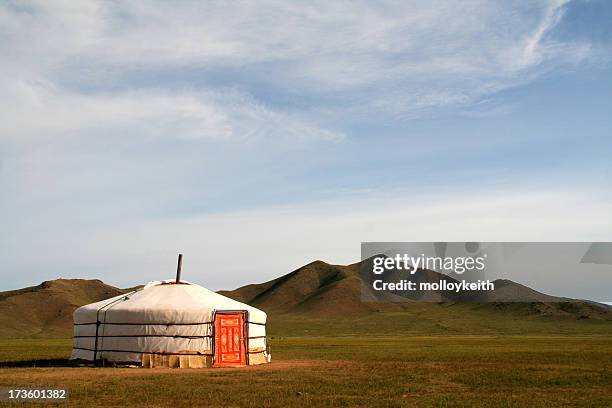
171 323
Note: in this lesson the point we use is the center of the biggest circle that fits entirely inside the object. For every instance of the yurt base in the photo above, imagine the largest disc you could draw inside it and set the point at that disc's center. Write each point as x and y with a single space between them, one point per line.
151 360
192 361
176 361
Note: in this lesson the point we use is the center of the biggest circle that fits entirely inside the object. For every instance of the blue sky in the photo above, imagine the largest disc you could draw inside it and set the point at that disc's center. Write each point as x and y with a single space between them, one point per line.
257 137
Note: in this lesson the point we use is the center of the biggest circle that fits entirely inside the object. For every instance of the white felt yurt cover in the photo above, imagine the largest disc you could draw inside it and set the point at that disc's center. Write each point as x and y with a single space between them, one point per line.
162 317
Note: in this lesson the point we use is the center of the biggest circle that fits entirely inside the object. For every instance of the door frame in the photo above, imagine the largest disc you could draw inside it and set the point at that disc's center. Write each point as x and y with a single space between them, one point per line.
245 332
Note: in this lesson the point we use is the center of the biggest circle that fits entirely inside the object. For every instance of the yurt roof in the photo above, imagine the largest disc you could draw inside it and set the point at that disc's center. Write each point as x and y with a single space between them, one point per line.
161 302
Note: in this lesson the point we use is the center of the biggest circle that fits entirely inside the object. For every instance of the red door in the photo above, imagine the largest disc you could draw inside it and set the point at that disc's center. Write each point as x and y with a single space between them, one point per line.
230 347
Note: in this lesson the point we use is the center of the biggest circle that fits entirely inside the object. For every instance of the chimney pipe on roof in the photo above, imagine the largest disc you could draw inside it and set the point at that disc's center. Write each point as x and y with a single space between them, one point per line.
178 268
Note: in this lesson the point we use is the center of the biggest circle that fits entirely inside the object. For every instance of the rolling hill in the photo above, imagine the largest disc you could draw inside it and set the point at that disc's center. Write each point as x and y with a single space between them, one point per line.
46 310
313 289
320 289
319 292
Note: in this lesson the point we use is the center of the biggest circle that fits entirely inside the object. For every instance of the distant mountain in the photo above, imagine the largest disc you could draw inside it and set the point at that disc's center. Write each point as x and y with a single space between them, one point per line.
46 310
317 290
509 291
320 289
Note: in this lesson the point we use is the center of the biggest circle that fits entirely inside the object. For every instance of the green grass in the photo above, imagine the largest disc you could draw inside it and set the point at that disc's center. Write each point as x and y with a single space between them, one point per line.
34 349
372 371
428 318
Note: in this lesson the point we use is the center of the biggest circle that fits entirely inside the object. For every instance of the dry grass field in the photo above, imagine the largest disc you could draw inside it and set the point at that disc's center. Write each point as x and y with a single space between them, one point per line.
386 371
330 349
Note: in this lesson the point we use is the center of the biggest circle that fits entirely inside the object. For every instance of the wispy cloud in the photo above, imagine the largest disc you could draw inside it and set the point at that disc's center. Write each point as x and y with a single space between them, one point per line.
43 110
391 57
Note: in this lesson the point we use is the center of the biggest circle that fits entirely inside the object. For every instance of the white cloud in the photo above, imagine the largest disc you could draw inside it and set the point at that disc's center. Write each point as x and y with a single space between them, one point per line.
40 109
399 57
532 53
50 49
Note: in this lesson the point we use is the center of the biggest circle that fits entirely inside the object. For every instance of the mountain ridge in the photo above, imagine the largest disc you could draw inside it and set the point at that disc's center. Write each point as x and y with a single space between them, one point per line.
45 310
323 289
317 290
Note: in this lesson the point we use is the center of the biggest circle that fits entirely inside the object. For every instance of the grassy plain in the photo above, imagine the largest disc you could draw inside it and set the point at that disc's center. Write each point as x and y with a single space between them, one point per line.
367 371
433 319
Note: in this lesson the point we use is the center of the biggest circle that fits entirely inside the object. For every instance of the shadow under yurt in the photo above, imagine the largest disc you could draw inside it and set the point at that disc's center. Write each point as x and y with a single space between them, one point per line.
172 323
